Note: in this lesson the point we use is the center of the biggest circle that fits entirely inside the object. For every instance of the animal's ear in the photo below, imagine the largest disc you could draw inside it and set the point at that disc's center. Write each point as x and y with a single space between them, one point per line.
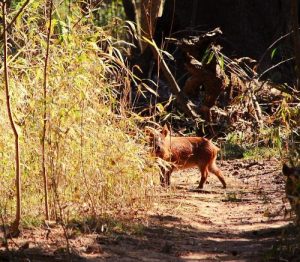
293 171
165 131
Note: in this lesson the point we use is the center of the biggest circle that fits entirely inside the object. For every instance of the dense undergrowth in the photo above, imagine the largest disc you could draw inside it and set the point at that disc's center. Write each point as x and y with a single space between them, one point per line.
96 160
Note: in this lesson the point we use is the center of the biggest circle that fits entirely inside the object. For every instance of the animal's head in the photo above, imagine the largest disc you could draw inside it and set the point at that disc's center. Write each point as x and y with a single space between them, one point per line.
293 181
291 172
158 141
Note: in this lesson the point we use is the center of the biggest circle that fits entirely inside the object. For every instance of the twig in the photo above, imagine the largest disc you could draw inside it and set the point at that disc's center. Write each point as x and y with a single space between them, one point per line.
84 15
63 224
274 66
252 164
82 171
45 113
272 45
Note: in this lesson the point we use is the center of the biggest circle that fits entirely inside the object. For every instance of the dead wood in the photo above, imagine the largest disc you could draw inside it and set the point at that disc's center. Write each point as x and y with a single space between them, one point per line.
207 75
225 87
183 102
193 45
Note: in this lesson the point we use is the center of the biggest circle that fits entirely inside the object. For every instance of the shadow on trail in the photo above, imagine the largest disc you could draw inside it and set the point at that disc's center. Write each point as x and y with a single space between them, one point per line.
37 255
169 240
185 243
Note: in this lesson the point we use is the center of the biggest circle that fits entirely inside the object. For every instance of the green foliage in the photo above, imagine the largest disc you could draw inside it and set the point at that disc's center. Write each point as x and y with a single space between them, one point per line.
278 136
108 11
268 144
259 153
232 151
94 166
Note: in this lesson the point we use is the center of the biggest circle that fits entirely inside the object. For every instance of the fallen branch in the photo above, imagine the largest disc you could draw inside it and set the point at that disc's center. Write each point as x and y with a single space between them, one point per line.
184 103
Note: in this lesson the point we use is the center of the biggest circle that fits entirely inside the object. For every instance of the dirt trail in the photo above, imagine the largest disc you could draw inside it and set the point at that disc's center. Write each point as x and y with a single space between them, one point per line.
241 223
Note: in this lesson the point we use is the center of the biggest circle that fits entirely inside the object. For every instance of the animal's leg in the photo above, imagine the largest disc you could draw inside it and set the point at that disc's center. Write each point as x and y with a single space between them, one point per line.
162 176
297 211
165 177
168 175
204 175
215 170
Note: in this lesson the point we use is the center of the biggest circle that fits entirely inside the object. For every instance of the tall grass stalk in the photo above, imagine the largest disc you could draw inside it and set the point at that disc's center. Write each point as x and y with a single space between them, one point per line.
15 225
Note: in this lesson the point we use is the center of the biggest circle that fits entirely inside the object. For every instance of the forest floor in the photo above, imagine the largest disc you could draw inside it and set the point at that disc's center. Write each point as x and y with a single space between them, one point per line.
245 222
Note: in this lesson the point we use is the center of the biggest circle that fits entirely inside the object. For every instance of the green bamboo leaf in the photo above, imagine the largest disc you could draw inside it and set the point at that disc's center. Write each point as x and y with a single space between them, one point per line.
221 62
274 51
211 56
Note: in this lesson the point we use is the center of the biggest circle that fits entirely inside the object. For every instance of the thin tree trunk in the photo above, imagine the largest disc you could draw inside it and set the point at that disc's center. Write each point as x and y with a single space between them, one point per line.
44 172
296 39
14 230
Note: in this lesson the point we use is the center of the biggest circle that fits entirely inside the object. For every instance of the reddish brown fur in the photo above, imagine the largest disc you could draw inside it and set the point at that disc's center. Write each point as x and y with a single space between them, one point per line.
186 152
292 188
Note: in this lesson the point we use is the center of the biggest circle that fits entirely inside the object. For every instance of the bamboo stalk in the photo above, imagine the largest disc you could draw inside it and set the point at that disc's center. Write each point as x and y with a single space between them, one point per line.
44 132
14 230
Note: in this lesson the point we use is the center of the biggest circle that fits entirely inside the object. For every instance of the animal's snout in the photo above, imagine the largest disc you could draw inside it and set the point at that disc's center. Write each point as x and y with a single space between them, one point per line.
158 147
158 150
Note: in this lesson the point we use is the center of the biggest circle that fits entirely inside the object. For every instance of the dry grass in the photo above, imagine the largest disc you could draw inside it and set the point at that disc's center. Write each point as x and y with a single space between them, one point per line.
95 167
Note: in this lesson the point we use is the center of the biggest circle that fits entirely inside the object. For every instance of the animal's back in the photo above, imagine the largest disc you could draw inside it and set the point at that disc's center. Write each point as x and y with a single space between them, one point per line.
191 151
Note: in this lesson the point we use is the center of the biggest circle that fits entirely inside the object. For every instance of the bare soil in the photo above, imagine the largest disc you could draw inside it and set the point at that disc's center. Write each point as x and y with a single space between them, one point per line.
245 222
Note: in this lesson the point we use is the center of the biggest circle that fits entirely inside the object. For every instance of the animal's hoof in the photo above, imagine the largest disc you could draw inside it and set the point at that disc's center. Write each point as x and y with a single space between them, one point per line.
164 185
